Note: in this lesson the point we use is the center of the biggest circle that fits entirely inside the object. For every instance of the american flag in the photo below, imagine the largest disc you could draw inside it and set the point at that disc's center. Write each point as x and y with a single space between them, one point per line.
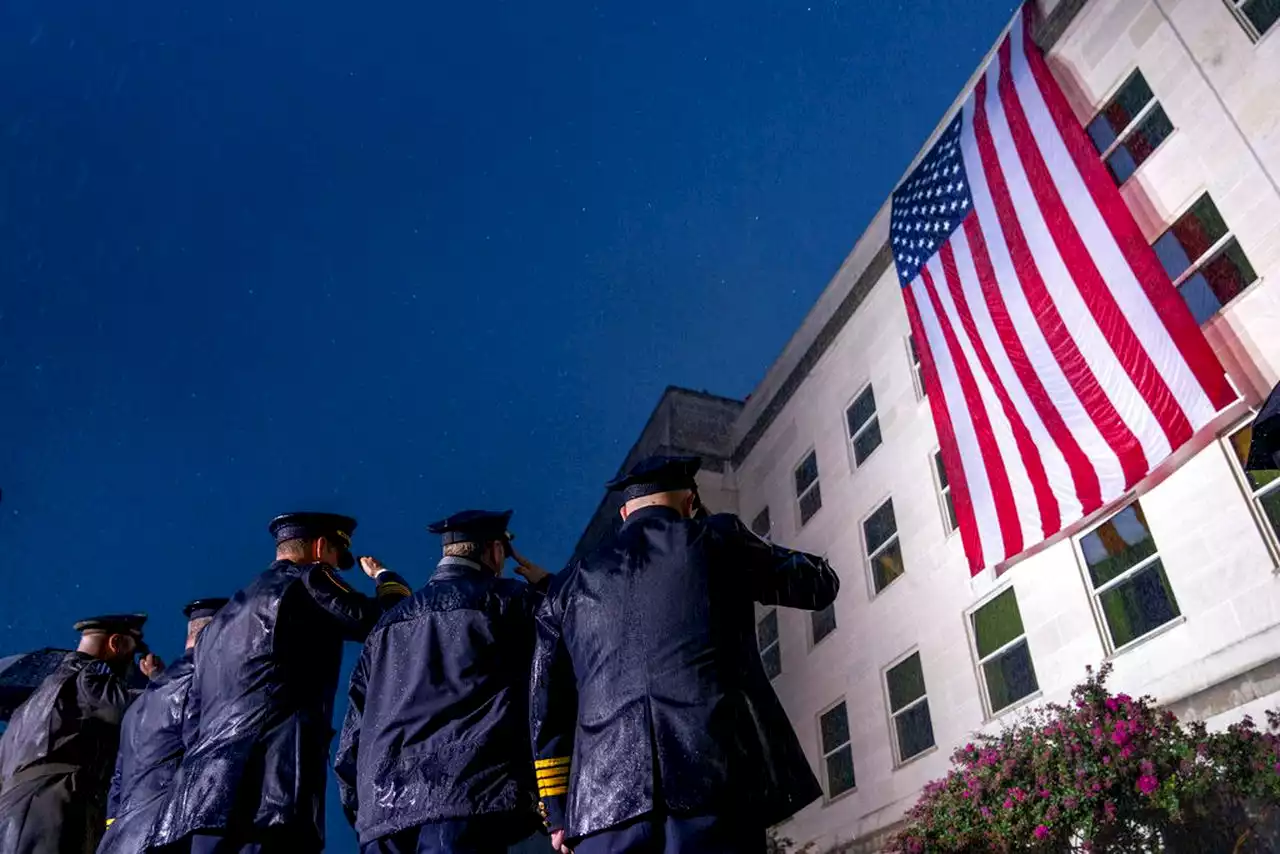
1060 363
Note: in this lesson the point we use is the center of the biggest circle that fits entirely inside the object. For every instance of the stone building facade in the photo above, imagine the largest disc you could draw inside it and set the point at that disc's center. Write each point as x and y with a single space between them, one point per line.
835 452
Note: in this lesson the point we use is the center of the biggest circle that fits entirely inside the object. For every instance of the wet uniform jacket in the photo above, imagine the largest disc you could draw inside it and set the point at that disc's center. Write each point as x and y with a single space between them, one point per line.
150 750
259 725
648 694
438 725
56 759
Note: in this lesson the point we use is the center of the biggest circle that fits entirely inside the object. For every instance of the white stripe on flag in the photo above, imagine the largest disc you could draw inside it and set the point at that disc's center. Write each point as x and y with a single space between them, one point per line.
1024 495
1055 464
1101 243
1092 344
1062 397
975 470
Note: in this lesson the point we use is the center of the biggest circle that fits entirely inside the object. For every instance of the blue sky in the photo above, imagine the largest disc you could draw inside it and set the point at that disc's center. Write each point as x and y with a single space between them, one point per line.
397 260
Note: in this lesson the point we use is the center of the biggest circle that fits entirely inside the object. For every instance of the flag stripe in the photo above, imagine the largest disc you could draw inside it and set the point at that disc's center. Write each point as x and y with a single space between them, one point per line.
1098 298
1145 266
1025 384
1032 464
1131 427
1006 517
948 446
1073 366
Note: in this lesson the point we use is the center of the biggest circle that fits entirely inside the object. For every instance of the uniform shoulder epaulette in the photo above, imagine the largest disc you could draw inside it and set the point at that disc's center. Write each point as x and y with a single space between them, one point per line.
99 668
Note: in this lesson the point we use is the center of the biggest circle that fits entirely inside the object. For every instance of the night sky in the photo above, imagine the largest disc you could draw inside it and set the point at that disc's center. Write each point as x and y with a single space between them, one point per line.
397 260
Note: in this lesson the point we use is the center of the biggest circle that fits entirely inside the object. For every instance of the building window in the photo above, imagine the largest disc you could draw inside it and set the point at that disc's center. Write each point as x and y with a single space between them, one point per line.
807 490
864 426
1003 655
945 500
762 525
1129 128
884 552
1256 16
824 622
917 368
1130 588
909 708
1263 486
770 646
1205 262
837 753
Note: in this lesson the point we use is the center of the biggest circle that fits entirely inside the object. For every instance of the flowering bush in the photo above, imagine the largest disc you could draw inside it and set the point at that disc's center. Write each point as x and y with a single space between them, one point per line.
1106 773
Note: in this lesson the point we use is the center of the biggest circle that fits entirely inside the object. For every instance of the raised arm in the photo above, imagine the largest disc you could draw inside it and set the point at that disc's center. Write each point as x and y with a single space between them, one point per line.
774 575
355 613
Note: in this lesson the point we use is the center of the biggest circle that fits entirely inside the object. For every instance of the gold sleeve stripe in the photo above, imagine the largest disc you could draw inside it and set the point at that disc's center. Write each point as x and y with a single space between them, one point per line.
552 763
556 792
552 779
393 587
109 821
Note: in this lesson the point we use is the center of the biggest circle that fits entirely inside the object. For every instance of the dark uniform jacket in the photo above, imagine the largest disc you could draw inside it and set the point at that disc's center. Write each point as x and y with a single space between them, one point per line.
150 749
438 723
648 694
56 759
259 724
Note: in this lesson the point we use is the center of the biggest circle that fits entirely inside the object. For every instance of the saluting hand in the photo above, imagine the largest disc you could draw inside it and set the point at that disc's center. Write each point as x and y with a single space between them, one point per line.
557 842
150 665
371 566
528 570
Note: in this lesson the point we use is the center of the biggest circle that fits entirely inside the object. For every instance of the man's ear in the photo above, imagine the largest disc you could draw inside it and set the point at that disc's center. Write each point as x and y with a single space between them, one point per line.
319 546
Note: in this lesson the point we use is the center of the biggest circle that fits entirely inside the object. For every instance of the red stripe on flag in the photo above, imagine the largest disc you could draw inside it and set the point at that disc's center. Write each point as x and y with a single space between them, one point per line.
1074 367
1083 474
993 461
1050 517
1099 298
965 519
1146 266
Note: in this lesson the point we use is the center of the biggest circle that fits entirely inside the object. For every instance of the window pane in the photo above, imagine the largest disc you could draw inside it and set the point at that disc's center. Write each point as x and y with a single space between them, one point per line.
887 565
861 411
1229 272
1010 676
1270 504
807 473
941 469
767 629
1139 605
810 503
824 622
1263 14
915 354
1117 544
951 510
762 525
880 526
1118 115
868 440
1198 229
840 772
997 623
915 731
906 682
772 660
1139 145
835 728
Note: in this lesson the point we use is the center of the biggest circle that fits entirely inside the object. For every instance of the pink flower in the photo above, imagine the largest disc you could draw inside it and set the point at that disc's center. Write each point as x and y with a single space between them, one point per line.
1112 704
986 812
1147 784
1106 760
1278 767
1008 803
1041 831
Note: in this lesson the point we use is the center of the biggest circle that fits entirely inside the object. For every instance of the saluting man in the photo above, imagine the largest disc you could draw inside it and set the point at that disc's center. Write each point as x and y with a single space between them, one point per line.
655 727
257 740
151 745
434 755
57 754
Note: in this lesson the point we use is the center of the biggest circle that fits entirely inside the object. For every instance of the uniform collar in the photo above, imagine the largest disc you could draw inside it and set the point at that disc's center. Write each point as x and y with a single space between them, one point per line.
452 567
653 511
